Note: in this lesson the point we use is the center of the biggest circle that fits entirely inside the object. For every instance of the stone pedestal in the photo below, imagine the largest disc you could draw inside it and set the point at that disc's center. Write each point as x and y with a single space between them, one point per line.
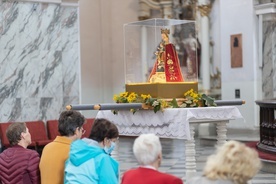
267 141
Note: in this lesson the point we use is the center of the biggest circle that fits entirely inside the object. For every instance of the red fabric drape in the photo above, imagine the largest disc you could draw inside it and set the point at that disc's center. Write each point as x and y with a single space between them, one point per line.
172 66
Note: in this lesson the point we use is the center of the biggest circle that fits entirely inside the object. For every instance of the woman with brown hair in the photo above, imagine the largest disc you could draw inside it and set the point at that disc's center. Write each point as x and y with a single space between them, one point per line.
89 159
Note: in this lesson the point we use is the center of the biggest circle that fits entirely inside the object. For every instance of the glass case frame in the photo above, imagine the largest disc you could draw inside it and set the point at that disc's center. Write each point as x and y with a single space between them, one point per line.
141 41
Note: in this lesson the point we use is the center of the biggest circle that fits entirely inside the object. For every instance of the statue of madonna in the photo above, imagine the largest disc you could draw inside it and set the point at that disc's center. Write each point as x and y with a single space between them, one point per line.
166 67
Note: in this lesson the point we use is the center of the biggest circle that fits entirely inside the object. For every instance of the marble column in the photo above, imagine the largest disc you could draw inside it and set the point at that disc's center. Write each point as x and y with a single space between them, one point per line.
267 47
269 56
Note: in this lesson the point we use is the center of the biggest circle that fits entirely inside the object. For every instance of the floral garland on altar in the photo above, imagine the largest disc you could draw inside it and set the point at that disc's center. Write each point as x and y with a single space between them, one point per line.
190 99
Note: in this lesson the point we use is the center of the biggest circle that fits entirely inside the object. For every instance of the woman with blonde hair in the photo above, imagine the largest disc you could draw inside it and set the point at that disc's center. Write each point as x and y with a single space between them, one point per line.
233 163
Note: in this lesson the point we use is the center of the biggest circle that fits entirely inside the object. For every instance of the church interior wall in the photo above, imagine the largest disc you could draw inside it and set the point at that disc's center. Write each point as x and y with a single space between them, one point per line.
227 18
101 28
237 17
95 59
92 64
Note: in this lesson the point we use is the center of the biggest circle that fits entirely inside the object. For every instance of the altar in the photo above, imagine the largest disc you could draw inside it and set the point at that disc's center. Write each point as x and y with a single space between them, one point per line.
174 123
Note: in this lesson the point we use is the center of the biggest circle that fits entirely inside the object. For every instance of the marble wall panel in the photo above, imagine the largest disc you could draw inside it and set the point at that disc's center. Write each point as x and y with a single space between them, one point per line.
274 55
269 56
39 60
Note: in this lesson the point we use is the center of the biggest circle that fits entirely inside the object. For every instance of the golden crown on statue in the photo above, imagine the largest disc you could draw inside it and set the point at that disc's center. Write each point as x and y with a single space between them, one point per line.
165 31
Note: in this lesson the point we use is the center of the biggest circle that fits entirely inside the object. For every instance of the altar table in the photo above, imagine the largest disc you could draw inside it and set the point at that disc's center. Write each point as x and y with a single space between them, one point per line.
175 123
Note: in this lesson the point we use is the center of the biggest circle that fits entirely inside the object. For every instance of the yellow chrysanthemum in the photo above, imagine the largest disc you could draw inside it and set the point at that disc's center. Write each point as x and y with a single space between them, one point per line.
131 97
123 94
164 104
192 99
144 97
188 93
115 97
194 95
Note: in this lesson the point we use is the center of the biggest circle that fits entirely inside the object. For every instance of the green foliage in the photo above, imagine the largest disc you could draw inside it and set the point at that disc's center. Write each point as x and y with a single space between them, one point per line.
191 99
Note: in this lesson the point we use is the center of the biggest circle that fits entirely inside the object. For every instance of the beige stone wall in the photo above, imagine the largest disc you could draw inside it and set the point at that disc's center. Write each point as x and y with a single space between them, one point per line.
101 48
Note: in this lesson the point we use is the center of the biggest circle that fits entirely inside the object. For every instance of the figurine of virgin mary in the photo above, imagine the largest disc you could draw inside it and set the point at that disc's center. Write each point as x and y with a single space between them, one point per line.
166 67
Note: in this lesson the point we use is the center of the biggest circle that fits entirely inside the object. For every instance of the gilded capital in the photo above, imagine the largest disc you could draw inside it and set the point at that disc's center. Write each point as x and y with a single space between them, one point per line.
204 9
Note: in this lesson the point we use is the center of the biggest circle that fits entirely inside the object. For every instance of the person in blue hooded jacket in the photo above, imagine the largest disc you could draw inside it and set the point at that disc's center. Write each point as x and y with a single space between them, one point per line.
89 159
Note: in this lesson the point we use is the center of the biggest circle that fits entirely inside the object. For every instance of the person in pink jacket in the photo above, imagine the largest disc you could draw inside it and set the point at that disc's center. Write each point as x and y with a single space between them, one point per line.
17 163
148 152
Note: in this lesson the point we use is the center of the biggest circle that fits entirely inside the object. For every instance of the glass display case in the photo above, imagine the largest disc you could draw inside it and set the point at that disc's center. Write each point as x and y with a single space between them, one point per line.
161 57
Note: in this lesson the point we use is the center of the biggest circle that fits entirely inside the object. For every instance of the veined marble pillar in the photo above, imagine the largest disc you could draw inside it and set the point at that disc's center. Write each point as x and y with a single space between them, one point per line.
60 2
267 47
205 8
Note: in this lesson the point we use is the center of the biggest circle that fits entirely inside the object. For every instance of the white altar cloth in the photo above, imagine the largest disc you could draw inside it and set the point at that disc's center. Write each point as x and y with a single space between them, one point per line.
175 123
171 123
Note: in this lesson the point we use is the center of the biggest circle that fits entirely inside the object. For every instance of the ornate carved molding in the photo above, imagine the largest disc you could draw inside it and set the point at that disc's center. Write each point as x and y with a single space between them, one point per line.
146 5
151 3
265 8
204 9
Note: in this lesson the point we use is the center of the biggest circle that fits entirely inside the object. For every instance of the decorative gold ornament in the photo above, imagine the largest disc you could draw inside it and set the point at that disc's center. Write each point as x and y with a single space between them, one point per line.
143 17
204 9
165 31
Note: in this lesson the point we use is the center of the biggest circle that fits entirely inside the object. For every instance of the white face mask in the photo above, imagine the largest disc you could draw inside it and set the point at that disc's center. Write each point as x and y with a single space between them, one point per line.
108 150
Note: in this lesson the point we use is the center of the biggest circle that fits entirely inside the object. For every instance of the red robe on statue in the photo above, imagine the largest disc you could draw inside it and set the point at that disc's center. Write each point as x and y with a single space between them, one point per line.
171 65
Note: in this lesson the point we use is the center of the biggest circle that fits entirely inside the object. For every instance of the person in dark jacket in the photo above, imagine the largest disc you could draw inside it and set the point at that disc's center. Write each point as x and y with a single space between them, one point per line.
17 163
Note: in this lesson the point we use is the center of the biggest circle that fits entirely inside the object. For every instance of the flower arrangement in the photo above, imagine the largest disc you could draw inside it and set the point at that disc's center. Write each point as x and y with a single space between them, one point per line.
191 99
148 102
194 99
